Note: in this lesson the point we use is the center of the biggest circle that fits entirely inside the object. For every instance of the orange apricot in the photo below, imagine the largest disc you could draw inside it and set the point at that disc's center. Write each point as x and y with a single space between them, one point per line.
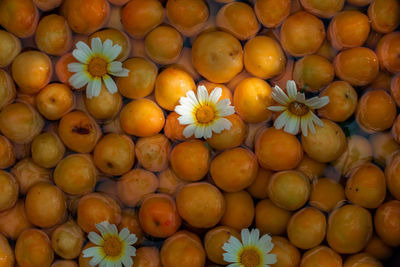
79 131
7 88
342 104
239 211
67 240
8 190
19 17
47 149
384 15
271 13
10 47
239 19
326 194
217 55
114 154
321 256
387 222
64 263
76 174
229 138
271 219
376 111
53 35
173 129
20 122
190 160
258 188
215 239
169 183
362 259
47 5
273 145
33 248
158 215
313 73
349 229
302 34
201 205
383 147
86 16
83 261
163 44
311 168
396 129
117 37
7 154
326 9
327 144
61 67
359 66
130 220
147 257
134 185
28 173
264 57
14 220
388 52
152 152
327 51
378 249
7 258
289 190
234 169
287 255
105 106
139 17
183 249
140 80
395 89
55 100
95 208
187 16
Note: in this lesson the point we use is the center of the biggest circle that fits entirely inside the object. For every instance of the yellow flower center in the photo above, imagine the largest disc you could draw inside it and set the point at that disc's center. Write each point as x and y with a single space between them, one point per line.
97 67
250 258
205 114
112 246
298 109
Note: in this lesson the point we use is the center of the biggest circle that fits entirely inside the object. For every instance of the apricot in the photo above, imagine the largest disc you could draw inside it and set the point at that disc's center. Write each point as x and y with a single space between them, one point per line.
7 258
342 104
273 145
28 173
14 220
140 80
61 68
105 106
258 188
327 51
134 185
271 219
169 183
130 220
289 190
376 111
19 17
187 16
10 47
47 150
215 239
76 174
229 138
287 255
114 154
239 211
67 240
263 57
384 15
173 129
321 256
158 215
383 147
152 152
86 16
8 190
84 262
327 144
378 249
234 170
358 152
358 66
217 56
147 257
326 9
183 249
190 160
95 208
7 88
349 229
362 259
64 263
395 89
326 194
302 34
201 205
313 73
388 52
163 44
271 13
47 5
7 154
79 131
239 19
387 222
117 37
311 168
33 248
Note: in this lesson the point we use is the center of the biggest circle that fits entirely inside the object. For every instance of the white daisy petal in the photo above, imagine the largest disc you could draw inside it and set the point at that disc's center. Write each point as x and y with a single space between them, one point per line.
235 265
84 48
184 120
95 238
279 95
80 56
224 109
96 260
131 239
118 264
124 233
115 66
228 257
215 95
245 234
113 52
300 97
277 108
78 80
110 264
189 130
91 252
94 87
185 109
291 89
97 46
107 44
110 84
123 73
270 259
235 243
192 97
282 120
207 132
292 125
127 261
75 67
216 127
304 125
311 126
103 263
316 119
102 227
317 102
225 123
202 94
131 251
198 132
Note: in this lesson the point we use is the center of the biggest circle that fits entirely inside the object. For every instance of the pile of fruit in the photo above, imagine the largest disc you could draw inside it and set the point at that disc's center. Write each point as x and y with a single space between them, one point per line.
97 131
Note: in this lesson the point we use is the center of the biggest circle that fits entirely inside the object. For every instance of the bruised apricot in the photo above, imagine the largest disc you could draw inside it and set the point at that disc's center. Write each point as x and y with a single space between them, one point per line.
7 154
325 9
118 38
271 13
384 15
105 106
388 52
7 88
152 152
140 80
20 122
8 190
326 194
76 174
302 34
217 55
67 240
10 47
14 220
271 219
321 256
287 255
387 222
272 145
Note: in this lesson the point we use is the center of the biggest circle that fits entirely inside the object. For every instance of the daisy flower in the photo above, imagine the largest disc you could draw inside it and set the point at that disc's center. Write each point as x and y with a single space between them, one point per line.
96 64
297 111
253 251
203 113
112 249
